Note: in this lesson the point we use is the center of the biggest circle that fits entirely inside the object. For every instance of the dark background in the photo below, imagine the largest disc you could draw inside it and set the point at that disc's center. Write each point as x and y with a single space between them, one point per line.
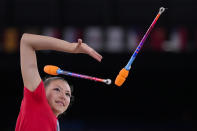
159 93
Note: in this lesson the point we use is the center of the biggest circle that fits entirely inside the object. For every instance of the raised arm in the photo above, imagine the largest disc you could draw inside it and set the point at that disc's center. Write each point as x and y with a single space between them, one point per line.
30 43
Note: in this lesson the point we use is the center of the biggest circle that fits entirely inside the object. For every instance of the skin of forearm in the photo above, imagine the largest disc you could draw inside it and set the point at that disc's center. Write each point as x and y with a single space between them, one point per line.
38 42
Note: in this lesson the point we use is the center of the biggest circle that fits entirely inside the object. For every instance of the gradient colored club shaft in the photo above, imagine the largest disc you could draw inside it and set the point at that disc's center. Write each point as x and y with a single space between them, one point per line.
128 66
79 75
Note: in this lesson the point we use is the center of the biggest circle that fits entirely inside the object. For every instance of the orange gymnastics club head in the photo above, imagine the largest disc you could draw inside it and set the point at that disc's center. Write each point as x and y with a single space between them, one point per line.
51 69
121 77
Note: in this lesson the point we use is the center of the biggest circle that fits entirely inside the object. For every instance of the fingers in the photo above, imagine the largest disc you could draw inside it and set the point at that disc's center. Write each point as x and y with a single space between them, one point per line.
88 50
95 55
79 41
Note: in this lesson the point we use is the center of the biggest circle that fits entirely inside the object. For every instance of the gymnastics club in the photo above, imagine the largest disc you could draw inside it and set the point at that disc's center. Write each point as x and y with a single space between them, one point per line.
54 70
125 71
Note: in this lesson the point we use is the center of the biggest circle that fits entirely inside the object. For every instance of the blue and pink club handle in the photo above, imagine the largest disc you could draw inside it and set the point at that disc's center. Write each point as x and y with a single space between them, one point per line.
54 70
128 66
123 74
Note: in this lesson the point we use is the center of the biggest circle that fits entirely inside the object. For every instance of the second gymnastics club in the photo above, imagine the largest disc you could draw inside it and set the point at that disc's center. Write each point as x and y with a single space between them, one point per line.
54 70
123 74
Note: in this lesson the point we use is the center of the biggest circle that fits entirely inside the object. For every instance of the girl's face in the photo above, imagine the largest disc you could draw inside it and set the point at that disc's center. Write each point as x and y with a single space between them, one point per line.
58 94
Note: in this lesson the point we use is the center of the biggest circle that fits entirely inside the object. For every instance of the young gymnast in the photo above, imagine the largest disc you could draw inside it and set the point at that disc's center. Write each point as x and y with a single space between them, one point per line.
44 101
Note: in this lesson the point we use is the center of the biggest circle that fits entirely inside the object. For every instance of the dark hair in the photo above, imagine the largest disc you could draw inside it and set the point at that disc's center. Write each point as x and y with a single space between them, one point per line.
48 80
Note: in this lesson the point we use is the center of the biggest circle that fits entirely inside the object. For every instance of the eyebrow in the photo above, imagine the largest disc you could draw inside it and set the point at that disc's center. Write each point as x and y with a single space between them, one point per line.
67 91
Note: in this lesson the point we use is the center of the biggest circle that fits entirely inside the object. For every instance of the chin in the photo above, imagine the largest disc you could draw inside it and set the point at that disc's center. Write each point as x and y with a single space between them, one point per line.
60 111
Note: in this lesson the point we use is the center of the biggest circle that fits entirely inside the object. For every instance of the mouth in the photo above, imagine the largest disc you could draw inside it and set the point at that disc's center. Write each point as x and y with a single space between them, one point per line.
60 103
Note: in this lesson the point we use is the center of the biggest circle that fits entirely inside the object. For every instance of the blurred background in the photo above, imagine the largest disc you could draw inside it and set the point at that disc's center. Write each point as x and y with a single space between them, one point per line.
158 95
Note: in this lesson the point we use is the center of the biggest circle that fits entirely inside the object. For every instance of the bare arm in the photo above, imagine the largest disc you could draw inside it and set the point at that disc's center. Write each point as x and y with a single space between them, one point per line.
30 43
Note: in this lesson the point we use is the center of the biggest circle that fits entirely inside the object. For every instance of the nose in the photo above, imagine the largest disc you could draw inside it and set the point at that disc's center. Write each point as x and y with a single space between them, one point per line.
63 96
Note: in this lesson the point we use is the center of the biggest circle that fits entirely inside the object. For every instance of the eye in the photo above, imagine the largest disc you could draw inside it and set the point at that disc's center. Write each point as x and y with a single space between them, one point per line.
57 89
68 94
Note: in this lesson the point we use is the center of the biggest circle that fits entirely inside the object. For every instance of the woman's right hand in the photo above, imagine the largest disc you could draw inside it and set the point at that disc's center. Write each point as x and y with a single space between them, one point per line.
84 48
